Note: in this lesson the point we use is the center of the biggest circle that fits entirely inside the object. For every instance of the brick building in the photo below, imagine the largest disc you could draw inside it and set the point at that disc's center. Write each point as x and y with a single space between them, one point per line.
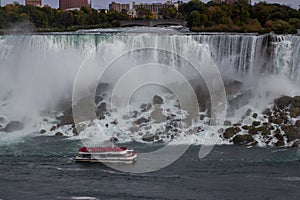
70 4
118 7
34 2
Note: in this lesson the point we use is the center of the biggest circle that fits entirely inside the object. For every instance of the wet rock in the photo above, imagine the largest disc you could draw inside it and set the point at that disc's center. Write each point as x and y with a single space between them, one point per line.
279 143
243 139
254 115
114 139
278 135
267 112
101 110
283 102
284 116
157 100
65 120
115 122
53 128
202 117
102 107
13 126
75 132
253 130
297 123
256 123
267 124
145 107
296 101
237 124
98 99
59 134
293 135
270 119
264 130
230 132
142 120
278 121
134 114
296 144
148 137
101 116
245 127
42 131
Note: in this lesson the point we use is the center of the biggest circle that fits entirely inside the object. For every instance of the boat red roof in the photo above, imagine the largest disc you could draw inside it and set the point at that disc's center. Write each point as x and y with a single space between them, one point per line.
102 149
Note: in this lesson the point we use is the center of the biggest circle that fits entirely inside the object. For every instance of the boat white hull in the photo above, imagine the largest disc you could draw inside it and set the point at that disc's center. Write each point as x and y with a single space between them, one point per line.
125 160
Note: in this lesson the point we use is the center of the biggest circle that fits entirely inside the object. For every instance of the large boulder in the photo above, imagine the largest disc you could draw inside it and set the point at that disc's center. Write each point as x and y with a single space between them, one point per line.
283 102
142 120
145 107
243 139
296 101
59 134
148 137
279 143
253 130
278 135
294 111
13 126
256 123
65 120
297 123
100 110
43 131
157 100
291 136
296 144
230 132
264 130
102 107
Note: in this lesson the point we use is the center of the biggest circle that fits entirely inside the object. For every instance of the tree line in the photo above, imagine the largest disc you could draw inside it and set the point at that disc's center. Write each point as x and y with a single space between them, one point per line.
47 18
238 17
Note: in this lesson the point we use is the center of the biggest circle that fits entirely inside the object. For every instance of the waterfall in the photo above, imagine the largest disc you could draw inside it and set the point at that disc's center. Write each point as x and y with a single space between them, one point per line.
37 72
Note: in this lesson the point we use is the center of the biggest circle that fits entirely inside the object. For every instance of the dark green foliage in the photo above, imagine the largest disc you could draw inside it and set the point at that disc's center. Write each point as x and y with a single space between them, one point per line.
47 18
168 12
240 17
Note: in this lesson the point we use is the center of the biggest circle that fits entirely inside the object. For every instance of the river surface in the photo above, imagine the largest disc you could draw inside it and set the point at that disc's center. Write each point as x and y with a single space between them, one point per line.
44 168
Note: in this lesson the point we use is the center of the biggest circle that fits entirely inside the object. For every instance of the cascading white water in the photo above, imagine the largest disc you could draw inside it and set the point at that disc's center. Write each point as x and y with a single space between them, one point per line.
37 71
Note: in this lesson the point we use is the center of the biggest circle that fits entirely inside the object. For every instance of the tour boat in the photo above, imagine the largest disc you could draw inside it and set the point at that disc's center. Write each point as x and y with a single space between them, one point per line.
106 155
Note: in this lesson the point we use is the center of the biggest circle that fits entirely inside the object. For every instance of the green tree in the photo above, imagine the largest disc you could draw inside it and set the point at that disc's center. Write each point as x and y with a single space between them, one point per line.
192 5
295 22
168 12
144 13
39 19
65 18
194 19
3 21
282 27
